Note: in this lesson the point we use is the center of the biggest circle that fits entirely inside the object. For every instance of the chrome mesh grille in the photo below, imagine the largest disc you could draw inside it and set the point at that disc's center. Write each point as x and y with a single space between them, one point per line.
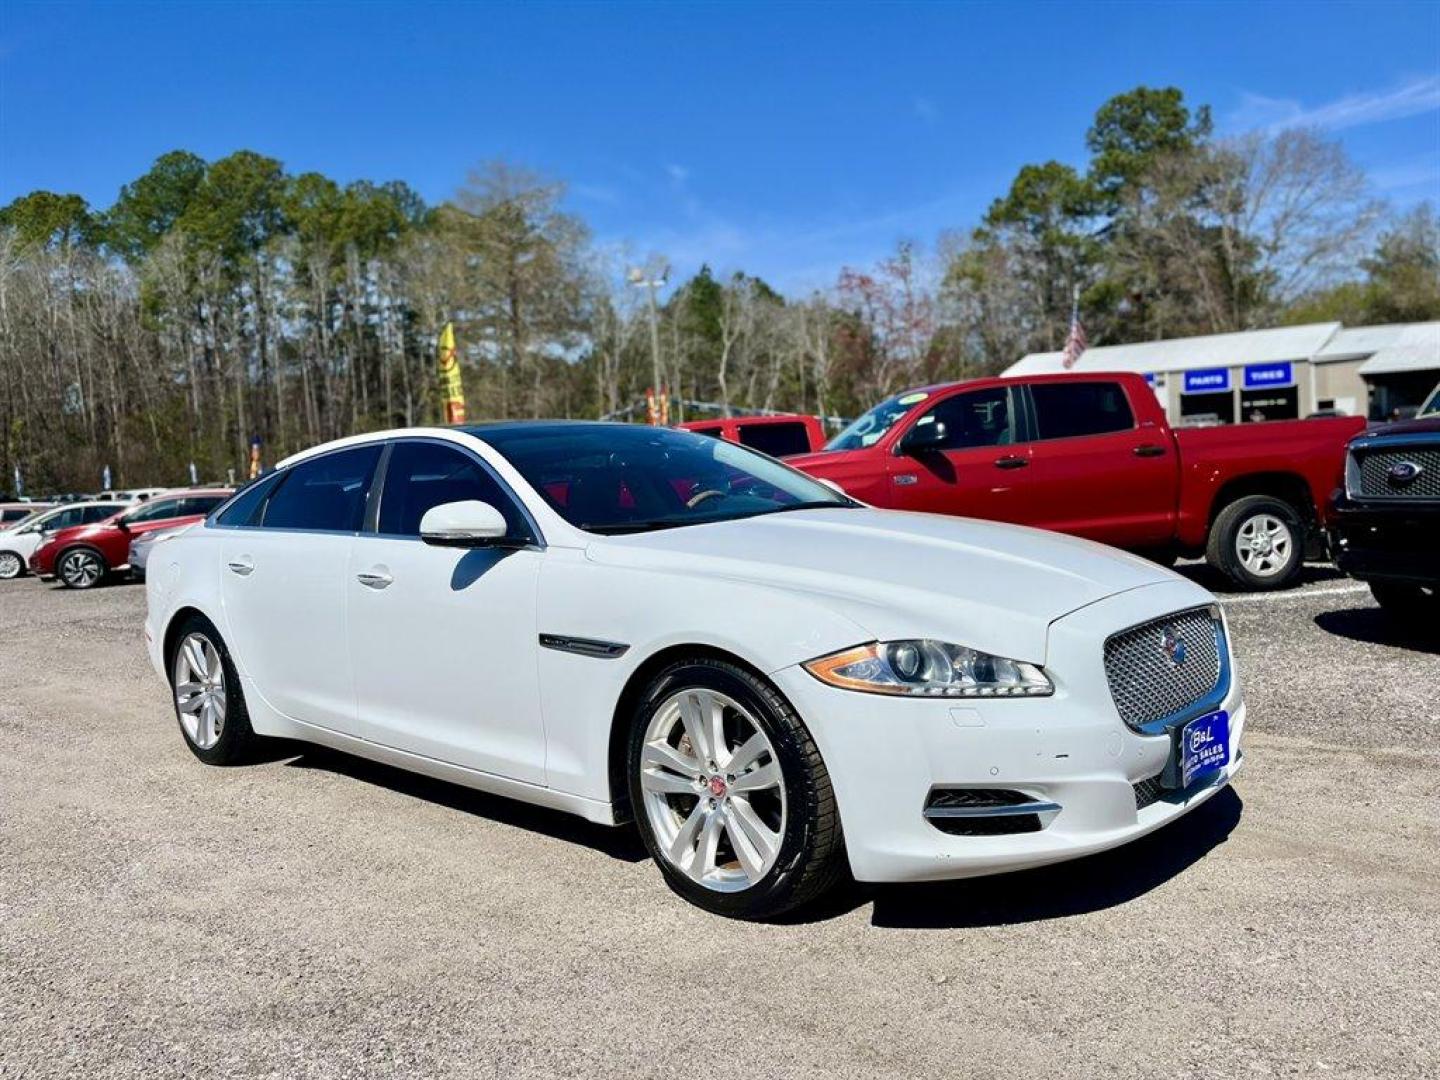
1377 483
1146 682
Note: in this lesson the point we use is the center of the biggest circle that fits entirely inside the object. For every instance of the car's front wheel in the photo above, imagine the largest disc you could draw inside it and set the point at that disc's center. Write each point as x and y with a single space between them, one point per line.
205 689
730 793
80 568
11 565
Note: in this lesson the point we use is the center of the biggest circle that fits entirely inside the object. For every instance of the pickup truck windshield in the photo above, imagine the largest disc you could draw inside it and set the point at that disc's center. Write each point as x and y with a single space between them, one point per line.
871 427
1432 404
610 479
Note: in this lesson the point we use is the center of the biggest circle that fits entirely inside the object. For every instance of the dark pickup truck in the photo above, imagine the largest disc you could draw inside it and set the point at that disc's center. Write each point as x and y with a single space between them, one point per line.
1385 519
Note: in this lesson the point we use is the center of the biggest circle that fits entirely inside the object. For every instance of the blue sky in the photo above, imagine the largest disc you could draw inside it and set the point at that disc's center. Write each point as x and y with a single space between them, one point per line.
784 139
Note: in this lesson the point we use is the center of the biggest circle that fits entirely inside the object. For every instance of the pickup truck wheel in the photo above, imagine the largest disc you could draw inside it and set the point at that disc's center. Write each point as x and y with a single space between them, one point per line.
1408 603
1258 542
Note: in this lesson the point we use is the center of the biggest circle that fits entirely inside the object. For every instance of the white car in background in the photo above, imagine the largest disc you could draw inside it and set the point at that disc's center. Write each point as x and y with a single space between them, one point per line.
19 543
774 681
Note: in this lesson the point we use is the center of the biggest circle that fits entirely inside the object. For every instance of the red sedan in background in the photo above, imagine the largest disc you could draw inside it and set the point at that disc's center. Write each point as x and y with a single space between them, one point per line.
82 556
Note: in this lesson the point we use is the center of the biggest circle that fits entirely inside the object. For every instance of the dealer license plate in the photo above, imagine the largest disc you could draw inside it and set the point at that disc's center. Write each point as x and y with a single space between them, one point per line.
1204 746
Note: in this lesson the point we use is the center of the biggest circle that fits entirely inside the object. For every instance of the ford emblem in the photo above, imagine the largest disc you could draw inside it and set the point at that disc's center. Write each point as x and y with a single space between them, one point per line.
1404 472
1172 646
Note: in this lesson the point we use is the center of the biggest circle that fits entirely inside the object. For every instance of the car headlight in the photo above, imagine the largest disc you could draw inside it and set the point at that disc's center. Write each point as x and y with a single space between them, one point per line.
926 668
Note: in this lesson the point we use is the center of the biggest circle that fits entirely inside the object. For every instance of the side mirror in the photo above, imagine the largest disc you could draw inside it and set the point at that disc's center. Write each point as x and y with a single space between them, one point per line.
123 525
923 438
463 524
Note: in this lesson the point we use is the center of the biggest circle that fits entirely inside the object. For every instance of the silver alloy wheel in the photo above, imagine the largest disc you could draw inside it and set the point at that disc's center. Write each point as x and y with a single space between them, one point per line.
80 569
714 795
10 565
200 690
1264 545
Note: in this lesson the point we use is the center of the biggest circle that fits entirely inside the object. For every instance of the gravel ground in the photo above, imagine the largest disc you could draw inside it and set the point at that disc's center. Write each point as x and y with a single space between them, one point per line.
319 916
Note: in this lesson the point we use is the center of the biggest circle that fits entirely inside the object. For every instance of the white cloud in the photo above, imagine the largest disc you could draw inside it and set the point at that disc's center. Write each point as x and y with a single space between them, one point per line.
678 174
1412 98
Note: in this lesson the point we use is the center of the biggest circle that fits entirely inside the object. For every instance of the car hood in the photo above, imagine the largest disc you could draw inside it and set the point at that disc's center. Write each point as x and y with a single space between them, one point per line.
979 583
1419 426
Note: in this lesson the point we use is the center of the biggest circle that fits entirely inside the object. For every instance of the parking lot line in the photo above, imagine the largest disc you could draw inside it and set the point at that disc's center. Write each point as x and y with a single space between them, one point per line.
1296 595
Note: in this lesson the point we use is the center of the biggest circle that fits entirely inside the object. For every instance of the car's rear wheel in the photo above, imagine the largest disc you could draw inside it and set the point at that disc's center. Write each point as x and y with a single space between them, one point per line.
80 568
730 793
1258 542
209 703
11 565
1419 604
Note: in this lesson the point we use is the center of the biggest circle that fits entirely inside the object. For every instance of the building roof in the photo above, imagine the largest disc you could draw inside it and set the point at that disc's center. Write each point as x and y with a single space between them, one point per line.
1187 354
1356 342
1415 348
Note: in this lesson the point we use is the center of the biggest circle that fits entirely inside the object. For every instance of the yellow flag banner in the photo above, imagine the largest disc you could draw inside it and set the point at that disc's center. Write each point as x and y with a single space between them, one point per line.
452 390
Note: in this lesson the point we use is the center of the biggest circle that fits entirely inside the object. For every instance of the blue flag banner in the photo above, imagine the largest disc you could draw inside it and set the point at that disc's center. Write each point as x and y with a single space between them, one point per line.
1207 380
1258 376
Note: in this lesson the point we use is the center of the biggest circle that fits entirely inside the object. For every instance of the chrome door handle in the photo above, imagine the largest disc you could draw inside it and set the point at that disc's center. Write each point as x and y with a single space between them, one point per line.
1149 450
1011 462
242 566
374 579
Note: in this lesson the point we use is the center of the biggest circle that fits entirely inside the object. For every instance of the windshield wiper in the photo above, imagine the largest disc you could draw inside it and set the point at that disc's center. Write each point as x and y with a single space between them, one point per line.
619 528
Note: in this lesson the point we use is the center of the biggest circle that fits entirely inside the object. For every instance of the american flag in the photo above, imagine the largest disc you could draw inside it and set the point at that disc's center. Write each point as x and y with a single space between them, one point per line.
1075 344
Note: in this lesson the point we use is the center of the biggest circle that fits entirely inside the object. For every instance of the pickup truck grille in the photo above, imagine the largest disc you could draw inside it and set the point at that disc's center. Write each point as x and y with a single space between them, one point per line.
1382 472
1163 667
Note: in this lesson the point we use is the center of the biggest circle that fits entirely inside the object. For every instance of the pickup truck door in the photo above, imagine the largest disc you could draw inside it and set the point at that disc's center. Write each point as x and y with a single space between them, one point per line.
978 469
1094 471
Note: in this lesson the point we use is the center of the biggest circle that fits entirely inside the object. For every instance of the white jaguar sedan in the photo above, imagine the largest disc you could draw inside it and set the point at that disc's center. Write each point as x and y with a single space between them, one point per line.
775 682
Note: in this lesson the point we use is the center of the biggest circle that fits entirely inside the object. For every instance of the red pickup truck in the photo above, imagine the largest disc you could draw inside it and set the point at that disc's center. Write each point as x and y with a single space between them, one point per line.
1093 455
779 435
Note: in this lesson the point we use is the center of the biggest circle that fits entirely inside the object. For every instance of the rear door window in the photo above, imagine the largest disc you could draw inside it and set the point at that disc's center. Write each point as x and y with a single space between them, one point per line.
244 506
324 494
777 440
193 505
155 511
1070 409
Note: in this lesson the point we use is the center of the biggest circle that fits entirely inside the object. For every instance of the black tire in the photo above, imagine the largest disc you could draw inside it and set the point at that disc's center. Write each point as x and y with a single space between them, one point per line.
238 742
811 858
12 566
81 568
1222 554
1417 605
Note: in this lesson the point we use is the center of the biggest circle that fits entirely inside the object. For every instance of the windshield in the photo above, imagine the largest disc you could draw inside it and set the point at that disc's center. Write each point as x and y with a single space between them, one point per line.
28 519
613 478
1432 403
871 427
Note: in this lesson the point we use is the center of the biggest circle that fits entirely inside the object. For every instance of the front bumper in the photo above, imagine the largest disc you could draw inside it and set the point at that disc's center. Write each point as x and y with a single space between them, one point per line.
1386 541
885 755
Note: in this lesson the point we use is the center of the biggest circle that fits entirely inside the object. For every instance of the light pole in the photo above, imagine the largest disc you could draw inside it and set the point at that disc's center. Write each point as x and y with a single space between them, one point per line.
652 277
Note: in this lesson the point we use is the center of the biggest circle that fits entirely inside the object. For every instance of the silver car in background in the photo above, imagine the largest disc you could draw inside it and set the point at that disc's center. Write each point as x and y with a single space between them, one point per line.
142 545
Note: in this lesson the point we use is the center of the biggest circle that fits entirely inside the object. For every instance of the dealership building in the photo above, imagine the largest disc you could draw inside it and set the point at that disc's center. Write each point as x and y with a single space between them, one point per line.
1279 374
